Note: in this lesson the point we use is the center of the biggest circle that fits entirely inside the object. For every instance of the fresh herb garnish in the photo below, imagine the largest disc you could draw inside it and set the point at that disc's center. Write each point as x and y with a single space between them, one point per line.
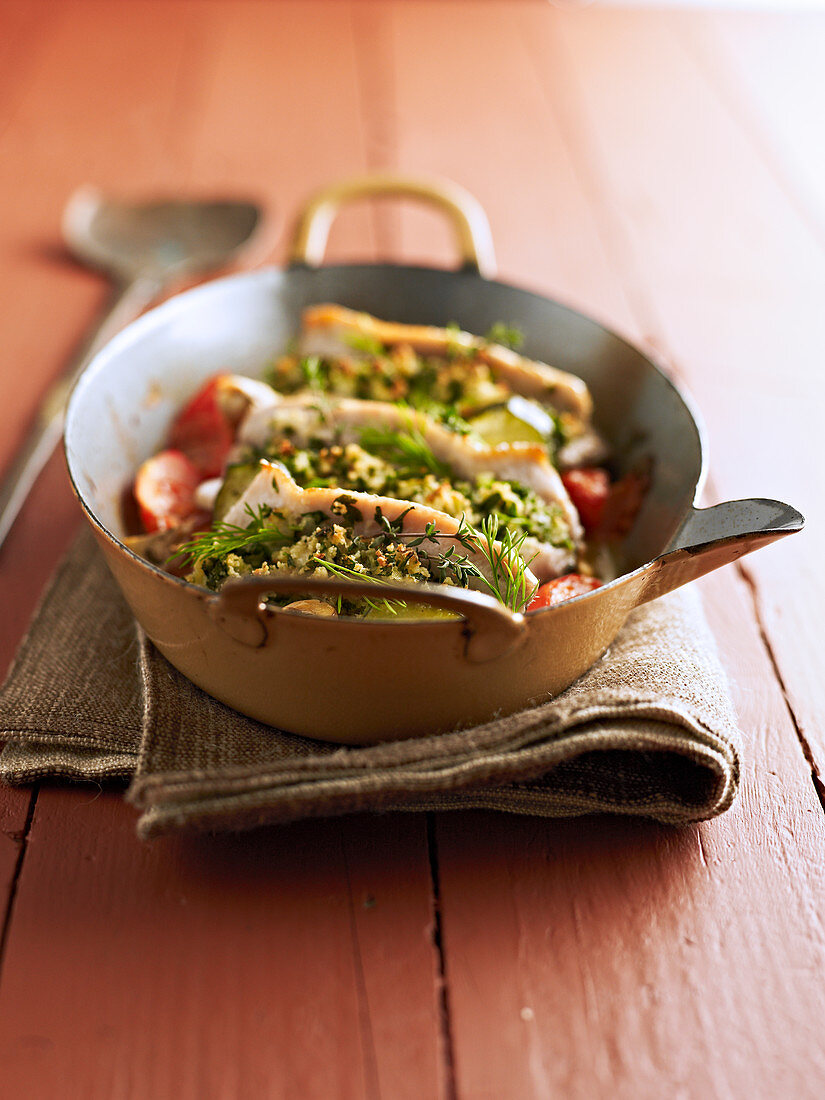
451 418
391 606
508 569
311 370
368 345
390 526
458 345
507 335
228 538
409 452
343 506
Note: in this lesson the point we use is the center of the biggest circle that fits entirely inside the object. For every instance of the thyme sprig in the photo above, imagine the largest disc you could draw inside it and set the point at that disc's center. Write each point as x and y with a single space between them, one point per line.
502 550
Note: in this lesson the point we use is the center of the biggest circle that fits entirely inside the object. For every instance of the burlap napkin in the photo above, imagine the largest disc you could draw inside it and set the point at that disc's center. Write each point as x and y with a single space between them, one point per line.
649 730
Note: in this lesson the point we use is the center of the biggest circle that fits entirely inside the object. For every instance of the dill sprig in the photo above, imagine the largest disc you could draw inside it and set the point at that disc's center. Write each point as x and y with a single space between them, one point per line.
508 336
409 452
508 568
228 538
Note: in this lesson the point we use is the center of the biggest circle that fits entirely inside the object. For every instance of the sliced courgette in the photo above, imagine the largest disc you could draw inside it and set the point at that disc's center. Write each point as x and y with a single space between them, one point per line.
234 485
392 612
518 421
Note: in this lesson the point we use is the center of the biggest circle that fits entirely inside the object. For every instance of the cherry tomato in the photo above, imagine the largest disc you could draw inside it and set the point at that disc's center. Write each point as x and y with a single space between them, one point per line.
203 431
623 504
589 487
165 490
562 588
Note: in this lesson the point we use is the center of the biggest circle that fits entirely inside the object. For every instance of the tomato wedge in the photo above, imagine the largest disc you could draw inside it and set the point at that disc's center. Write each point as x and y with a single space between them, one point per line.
623 504
165 490
589 488
203 431
561 589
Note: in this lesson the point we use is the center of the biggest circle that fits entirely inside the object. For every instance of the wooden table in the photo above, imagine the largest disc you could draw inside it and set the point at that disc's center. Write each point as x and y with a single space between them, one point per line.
662 171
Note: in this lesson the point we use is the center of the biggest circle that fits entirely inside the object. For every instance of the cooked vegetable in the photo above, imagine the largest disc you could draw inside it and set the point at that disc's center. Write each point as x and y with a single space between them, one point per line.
561 589
518 421
235 481
589 488
203 430
165 490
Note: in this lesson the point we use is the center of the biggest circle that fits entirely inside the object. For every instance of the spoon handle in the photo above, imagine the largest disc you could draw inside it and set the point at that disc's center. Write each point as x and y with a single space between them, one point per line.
128 301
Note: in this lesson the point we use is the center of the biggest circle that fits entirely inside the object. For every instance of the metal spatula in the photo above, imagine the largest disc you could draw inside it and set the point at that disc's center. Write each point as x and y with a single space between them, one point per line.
143 248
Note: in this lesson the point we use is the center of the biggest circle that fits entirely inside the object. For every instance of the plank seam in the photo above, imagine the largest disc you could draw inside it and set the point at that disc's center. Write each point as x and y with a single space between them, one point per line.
582 144
807 752
365 1024
444 1011
23 841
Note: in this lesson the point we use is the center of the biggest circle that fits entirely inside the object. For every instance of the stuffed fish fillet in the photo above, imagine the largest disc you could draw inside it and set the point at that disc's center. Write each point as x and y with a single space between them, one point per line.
273 488
305 421
331 331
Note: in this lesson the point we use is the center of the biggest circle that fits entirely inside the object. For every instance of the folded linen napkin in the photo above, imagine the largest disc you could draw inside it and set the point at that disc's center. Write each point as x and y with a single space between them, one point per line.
648 730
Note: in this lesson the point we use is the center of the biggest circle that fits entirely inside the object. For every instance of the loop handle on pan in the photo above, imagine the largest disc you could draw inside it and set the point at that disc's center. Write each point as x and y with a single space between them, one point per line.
492 629
472 229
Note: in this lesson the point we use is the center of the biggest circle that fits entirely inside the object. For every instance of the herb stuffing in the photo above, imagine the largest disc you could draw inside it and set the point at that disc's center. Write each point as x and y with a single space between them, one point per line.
316 545
469 468
396 464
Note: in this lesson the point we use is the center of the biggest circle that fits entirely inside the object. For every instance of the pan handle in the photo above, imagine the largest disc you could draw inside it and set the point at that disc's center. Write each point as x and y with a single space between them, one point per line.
472 230
712 537
491 629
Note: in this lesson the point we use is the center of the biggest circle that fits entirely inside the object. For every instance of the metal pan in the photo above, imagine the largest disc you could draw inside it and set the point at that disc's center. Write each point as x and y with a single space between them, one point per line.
360 681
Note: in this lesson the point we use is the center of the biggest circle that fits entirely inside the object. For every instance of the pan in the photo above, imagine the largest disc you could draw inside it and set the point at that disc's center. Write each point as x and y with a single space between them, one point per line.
360 681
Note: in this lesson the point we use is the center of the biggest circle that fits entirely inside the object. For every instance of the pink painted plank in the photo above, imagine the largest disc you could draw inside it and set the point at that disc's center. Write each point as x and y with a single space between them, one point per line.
280 112
737 284
293 962
301 961
14 809
549 992
604 957
484 120
775 92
